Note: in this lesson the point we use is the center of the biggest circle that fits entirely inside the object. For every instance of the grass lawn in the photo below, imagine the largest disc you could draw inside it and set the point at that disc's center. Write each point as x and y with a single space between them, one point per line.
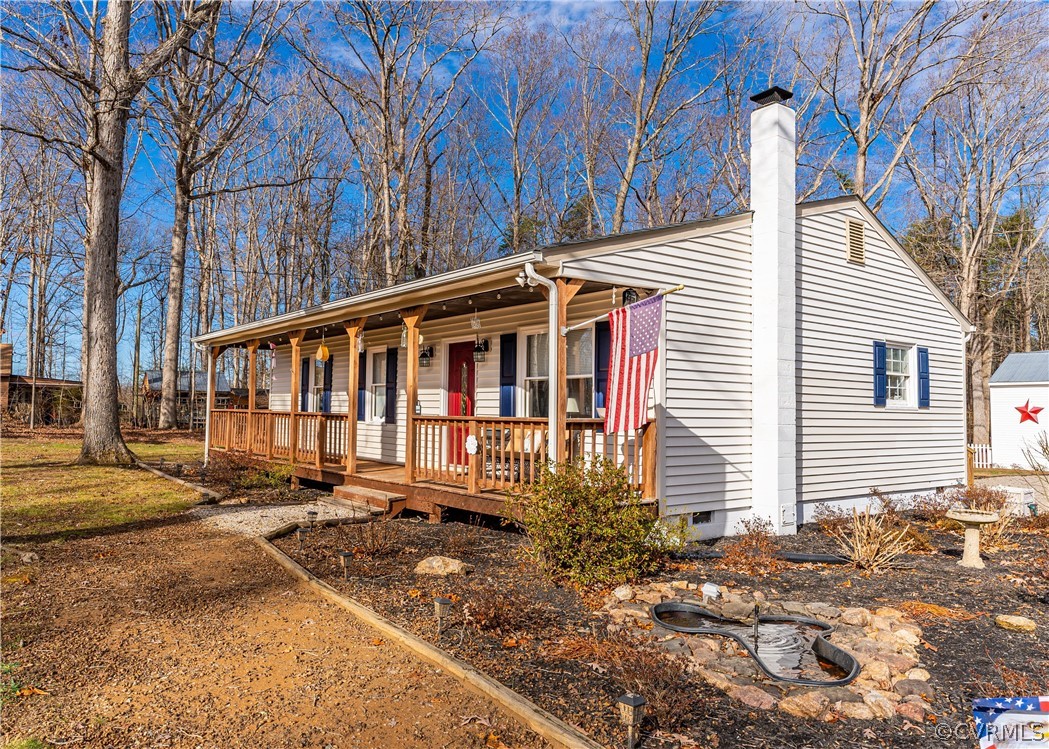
44 493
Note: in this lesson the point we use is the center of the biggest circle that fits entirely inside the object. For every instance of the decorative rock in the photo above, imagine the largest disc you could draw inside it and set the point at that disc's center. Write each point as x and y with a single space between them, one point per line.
911 711
738 611
856 617
30 557
878 672
649 596
714 679
793 607
1015 623
804 704
675 646
825 612
753 697
623 593
682 585
442 566
901 663
889 612
907 687
918 674
907 637
840 694
879 705
854 710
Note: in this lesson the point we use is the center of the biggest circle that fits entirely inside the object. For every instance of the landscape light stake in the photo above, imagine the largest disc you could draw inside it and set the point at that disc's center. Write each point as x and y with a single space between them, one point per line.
631 713
755 627
346 556
311 516
441 608
301 534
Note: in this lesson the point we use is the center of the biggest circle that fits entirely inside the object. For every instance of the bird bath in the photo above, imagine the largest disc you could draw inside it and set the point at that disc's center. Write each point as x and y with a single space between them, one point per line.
972 520
793 649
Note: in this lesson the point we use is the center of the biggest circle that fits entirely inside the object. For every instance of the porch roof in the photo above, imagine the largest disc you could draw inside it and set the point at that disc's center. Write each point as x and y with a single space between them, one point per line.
473 280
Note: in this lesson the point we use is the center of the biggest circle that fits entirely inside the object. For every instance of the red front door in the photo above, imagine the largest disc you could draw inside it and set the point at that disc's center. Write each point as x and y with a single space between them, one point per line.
460 397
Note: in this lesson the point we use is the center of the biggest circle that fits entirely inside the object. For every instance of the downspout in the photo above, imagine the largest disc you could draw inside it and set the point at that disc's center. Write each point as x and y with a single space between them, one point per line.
553 443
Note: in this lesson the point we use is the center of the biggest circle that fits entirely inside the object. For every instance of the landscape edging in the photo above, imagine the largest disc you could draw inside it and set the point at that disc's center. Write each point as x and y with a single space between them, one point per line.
550 727
212 496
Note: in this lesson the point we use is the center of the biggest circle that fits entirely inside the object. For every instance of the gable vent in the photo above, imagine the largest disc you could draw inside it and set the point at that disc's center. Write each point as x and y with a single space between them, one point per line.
855 250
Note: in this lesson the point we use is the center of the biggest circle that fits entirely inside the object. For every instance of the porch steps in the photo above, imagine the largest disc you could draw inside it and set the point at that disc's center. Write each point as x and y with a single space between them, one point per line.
380 502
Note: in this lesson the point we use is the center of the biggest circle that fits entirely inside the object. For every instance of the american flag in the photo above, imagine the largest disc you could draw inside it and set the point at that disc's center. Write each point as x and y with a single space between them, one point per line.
635 350
1004 722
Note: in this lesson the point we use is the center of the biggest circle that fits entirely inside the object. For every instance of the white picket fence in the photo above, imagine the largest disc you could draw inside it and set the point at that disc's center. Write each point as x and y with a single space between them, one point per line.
982 457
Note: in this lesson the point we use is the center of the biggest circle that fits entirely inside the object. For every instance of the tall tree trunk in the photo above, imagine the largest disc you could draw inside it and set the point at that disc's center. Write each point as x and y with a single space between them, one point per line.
981 352
103 442
176 282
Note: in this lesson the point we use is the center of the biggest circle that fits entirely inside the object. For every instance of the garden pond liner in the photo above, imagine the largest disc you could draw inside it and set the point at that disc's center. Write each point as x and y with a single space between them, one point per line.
820 646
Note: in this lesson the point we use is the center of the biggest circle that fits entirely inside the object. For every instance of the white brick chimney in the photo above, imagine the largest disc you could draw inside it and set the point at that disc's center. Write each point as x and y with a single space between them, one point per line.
773 201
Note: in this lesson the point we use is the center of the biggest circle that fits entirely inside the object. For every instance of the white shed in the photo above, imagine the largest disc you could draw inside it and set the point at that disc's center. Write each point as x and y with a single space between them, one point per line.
1019 399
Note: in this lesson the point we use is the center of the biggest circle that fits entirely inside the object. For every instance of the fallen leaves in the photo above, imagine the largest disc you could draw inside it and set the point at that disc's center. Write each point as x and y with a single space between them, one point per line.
494 742
377 641
931 611
29 691
414 593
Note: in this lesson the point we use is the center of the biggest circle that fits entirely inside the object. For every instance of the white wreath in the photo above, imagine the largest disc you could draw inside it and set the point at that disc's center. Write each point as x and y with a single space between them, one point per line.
471 445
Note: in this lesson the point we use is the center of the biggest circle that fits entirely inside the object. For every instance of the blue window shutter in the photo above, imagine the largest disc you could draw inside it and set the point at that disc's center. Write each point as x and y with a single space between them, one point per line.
881 380
329 367
391 385
304 385
507 373
602 357
362 386
924 393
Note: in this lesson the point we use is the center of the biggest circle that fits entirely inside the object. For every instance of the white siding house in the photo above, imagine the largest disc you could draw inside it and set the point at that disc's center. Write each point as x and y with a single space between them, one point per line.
1019 399
807 359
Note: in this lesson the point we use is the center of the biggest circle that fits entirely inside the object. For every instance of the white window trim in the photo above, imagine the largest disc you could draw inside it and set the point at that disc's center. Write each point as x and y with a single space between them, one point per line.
522 369
315 396
911 404
369 392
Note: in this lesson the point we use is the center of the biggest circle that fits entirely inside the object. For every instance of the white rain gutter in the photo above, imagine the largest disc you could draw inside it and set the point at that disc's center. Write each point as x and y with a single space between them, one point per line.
553 416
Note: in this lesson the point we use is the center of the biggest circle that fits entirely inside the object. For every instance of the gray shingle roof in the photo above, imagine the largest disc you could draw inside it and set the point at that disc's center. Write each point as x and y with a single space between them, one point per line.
1028 367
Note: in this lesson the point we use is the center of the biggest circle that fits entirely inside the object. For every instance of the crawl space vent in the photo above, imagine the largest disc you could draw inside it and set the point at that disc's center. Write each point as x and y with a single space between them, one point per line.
855 251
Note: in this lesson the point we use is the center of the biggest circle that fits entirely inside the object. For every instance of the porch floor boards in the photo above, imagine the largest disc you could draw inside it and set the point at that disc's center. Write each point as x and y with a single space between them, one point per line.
430 497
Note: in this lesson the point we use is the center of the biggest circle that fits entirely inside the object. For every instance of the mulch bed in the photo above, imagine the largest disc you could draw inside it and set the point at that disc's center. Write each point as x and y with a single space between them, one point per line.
965 658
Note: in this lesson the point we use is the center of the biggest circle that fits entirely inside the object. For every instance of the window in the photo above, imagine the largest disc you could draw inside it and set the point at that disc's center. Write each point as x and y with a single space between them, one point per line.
377 384
898 375
318 385
537 373
579 368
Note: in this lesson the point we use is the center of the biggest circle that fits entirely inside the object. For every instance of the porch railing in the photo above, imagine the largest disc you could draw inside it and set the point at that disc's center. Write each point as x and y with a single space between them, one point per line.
508 456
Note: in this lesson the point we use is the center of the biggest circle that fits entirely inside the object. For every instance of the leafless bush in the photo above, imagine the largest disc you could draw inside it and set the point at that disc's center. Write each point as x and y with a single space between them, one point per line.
994 536
505 612
664 680
753 550
829 518
873 542
377 538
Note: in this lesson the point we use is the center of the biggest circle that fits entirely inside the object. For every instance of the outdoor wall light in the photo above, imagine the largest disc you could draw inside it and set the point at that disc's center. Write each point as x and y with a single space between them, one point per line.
480 349
425 355
631 713
311 517
301 533
441 608
345 557
630 296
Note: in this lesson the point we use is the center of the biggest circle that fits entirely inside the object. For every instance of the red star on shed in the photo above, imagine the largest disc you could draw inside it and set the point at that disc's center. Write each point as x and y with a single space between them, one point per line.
1027 413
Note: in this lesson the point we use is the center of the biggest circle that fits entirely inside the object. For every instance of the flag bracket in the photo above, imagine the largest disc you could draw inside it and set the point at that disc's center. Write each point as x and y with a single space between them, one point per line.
663 292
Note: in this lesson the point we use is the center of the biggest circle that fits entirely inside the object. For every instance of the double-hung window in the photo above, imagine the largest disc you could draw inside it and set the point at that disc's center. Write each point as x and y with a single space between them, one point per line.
579 370
899 375
318 385
377 384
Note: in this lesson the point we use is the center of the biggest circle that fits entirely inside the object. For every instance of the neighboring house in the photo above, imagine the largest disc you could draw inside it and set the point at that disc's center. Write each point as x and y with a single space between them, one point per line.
1019 399
55 400
807 360
192 397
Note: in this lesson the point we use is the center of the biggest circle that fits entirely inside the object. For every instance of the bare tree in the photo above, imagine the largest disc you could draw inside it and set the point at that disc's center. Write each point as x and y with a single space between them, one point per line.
110 101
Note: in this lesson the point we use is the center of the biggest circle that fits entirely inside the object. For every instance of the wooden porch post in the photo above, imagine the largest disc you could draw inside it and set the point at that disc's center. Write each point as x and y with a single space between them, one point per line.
353 329
213 361
412 317
252 350
296 385
566 290
649 454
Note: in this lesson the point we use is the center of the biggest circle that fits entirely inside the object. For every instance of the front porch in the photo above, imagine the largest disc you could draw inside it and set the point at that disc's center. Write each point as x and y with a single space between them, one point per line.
440 471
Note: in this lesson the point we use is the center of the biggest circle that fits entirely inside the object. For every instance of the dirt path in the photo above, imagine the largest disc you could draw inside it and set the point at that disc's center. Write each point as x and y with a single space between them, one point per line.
186 636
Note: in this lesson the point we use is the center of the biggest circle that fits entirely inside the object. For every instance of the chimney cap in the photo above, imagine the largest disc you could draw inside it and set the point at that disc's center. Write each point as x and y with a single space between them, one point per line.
773 95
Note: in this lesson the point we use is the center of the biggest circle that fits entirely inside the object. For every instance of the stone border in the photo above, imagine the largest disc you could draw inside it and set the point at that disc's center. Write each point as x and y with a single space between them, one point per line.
210 497
548 726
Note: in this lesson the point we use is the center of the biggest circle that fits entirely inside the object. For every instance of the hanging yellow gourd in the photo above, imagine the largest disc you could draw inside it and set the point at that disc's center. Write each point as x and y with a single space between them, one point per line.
322 350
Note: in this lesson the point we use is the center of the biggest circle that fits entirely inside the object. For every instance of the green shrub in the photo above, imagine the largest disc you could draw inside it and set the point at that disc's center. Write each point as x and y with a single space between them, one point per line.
588 527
